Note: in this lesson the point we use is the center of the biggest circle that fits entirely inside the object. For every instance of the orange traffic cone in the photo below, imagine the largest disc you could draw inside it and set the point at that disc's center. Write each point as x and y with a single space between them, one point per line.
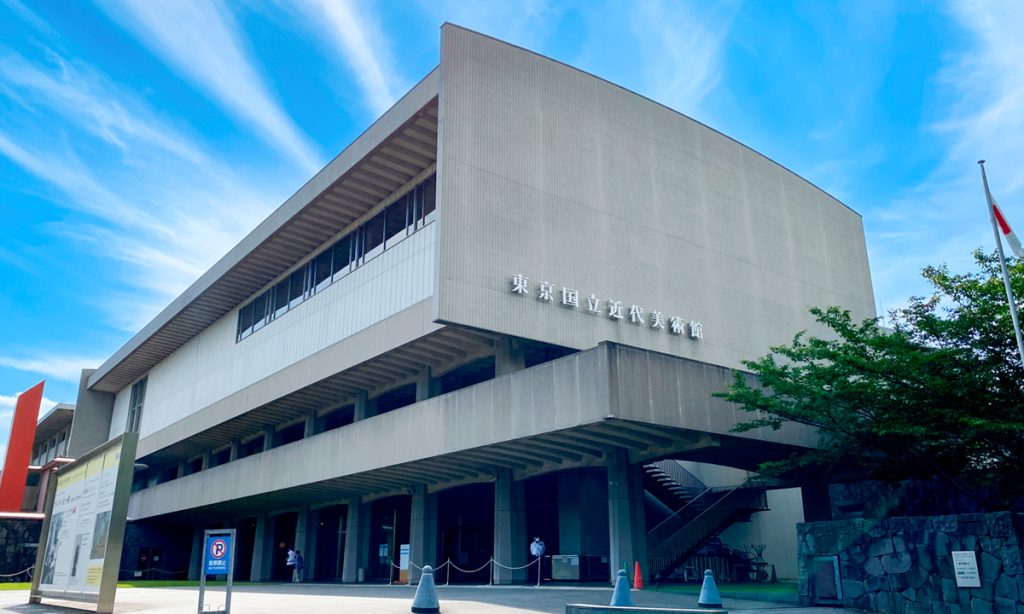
638 578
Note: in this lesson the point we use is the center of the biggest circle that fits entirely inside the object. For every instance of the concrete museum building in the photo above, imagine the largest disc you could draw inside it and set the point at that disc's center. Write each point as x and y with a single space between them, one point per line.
499 313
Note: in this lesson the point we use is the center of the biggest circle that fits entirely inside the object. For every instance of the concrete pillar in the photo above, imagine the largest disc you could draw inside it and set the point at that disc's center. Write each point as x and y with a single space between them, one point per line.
311 420
182 467
511 545
422 531
90 425
312 538
426 385
357 540
207 460
583 512
260 556
268 438
236 447
509 356
362 410
627 531
302 531
197 554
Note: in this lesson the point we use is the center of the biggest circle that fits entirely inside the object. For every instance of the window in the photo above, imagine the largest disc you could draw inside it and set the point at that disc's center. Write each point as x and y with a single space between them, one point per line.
297 291
373 237
322 271
395 223
342 257
405 216
135 402
281 297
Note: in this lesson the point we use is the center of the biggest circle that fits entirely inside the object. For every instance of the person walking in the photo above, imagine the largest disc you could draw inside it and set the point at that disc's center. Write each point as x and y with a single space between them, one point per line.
299 566
537 550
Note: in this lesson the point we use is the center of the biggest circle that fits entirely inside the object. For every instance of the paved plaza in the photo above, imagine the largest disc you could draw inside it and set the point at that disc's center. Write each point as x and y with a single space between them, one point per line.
376 599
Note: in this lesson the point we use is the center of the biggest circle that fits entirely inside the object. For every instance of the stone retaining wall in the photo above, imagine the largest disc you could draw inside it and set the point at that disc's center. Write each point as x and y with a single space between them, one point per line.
904 565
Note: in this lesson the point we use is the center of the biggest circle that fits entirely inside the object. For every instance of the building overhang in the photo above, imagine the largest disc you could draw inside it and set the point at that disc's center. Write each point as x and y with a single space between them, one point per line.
389 156
567 413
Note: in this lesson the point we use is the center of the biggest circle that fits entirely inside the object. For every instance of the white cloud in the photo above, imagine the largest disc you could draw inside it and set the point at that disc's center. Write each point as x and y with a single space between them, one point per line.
7 403
347 26
680 47
66 368
155 202
202 41
943 218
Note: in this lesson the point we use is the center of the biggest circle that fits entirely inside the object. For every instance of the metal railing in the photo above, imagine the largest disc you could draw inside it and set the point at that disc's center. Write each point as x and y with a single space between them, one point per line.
673 540
680 475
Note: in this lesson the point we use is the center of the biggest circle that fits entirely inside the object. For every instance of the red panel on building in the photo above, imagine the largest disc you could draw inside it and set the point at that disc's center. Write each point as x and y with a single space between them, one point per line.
19 448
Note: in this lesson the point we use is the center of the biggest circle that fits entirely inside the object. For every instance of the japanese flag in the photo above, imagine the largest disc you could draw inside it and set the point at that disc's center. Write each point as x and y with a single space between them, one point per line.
1008 234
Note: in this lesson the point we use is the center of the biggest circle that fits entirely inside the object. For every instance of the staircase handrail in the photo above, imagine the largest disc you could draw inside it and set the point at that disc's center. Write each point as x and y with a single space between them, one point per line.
701 523
677 515
680 475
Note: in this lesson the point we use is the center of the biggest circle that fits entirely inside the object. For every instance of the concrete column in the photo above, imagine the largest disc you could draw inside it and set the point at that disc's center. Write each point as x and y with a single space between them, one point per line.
182 467
312 538
207 460
302 531
583 512
91 422
311 419
362 410
357 540
426 385
260 556
236 447
268 438
511 545
197 554
627 532
422 531
509 356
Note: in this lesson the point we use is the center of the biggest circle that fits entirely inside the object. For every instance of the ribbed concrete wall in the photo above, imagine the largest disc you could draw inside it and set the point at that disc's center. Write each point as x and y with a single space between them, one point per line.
555 174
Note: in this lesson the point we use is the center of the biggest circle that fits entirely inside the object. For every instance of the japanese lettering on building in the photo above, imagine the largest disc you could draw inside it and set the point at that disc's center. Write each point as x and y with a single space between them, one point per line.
638 315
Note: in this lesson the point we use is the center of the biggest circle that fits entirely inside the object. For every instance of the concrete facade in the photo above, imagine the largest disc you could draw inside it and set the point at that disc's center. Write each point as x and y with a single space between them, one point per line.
413 399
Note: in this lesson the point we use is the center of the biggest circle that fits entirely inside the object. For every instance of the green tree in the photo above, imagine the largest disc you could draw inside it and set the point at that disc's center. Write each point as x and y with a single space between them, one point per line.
936 395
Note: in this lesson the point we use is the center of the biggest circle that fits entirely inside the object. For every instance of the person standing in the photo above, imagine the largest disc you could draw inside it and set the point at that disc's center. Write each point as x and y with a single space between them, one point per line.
290 562
299 565
537 550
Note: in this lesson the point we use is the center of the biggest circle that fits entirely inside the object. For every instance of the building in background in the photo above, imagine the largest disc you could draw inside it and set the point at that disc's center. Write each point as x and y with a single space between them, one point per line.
499 313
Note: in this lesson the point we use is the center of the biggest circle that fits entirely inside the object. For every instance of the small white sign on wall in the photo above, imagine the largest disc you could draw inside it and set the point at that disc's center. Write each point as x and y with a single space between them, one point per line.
965 568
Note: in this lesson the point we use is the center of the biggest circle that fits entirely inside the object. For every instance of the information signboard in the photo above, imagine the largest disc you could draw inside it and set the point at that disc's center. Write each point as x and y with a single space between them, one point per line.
83 531
965 569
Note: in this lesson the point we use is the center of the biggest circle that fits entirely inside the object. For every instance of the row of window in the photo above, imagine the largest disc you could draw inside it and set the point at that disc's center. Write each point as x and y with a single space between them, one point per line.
386 229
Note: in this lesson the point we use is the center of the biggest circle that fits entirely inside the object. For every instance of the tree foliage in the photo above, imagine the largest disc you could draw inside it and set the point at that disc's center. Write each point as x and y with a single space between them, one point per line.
936 395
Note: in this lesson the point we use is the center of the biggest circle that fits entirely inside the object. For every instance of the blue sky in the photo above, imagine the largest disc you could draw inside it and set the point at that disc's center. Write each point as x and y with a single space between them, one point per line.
140 140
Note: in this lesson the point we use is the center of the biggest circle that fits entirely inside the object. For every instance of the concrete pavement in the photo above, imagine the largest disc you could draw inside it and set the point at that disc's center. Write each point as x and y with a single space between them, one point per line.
376 599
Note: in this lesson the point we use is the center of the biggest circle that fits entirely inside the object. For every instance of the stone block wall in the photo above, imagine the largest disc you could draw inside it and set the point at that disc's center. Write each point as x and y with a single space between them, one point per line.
19 540
904 565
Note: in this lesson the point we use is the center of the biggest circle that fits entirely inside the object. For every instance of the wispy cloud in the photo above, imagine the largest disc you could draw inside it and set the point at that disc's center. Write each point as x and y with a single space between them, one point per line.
355 33
202 41
7 403
151 198
982 88
679 46
67 368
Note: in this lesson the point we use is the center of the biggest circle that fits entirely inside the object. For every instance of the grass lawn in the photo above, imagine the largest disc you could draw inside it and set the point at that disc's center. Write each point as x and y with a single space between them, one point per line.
781 589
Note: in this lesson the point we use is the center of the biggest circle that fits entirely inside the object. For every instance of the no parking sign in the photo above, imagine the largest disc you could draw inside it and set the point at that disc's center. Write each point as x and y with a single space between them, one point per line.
218 553
218 560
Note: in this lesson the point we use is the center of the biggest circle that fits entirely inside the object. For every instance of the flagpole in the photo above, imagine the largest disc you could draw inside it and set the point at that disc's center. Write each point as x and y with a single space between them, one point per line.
1002 262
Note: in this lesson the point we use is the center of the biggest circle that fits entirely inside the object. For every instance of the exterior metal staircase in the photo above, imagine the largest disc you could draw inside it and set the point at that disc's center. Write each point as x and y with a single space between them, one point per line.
701 513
